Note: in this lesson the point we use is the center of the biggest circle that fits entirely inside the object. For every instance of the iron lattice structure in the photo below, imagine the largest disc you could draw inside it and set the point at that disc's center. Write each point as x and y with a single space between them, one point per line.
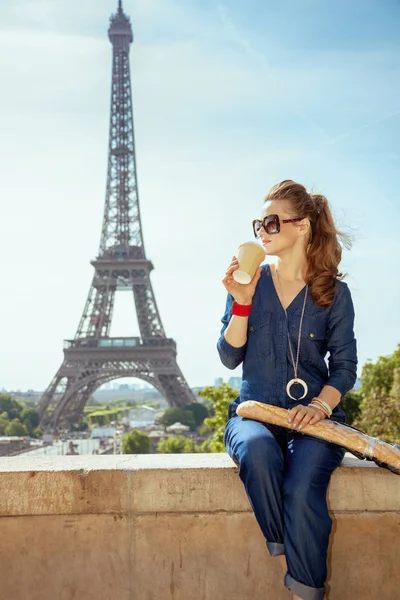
93 358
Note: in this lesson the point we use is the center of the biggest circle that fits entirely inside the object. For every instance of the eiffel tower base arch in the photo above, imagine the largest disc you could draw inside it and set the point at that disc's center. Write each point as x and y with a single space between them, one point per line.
80 377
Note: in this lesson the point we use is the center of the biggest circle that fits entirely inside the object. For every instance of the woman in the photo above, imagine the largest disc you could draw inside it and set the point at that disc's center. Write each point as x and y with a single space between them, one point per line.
281 326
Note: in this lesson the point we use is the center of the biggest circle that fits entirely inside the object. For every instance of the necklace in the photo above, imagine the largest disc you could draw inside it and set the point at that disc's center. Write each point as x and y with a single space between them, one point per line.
295 364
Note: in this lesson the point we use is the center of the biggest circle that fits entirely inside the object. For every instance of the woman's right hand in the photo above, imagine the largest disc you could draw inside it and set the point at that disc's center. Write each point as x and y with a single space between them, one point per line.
242 293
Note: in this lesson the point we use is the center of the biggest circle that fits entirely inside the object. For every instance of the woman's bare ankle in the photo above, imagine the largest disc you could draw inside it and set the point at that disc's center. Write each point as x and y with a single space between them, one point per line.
282 560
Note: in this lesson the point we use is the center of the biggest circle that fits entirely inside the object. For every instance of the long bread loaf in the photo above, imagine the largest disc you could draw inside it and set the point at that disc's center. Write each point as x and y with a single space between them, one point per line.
353 440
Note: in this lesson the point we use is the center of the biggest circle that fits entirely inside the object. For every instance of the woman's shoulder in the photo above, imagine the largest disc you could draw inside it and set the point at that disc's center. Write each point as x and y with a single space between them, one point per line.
342 297
341 288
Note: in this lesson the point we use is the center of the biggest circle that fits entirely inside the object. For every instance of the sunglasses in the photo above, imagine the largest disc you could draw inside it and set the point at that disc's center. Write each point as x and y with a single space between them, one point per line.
271 224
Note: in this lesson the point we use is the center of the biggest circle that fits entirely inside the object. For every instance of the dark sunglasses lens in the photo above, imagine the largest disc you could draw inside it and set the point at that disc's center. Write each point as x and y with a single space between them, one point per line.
271 226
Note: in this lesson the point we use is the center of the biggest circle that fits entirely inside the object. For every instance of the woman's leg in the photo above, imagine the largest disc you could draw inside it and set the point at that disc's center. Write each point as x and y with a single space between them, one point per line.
310 463
257 449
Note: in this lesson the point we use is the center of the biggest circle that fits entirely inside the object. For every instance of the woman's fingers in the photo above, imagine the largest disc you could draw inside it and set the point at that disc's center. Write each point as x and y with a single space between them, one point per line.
305 421
295 415
300 416
232 267
316 418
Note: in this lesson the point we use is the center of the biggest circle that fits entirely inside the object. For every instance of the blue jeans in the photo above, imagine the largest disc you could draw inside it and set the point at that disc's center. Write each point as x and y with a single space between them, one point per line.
286 476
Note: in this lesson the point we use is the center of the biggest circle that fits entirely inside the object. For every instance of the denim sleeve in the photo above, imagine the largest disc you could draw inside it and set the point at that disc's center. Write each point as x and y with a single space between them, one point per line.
230 356
342 344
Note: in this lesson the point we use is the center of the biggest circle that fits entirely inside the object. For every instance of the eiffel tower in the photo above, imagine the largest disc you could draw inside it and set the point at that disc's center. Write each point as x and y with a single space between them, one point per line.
93 358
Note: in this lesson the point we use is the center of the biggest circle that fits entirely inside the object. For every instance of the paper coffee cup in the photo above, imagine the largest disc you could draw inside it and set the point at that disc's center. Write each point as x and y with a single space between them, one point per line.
250 257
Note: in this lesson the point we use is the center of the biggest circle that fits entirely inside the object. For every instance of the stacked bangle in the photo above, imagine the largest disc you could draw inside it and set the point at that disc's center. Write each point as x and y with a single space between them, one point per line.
322 405
318 403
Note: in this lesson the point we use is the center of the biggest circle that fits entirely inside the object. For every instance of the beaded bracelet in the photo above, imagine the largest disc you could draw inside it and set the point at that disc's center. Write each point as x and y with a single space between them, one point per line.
315 405
319 404
324 405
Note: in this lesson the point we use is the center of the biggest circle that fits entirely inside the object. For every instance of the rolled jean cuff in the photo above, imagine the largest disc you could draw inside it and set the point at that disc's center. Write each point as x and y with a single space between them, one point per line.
275 548
304 591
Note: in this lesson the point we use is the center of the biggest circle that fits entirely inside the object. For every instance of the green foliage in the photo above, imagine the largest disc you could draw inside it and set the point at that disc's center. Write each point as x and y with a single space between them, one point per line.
16 417
177 445
220 398
3 424
104 416
380 375
15 427
10 406
204 430
30 418
206 446
178 415
136 442
199 411
38 432
351 404
380 415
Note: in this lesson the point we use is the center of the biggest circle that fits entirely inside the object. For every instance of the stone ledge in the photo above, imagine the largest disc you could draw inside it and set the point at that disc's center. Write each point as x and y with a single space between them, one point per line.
138 484
178 527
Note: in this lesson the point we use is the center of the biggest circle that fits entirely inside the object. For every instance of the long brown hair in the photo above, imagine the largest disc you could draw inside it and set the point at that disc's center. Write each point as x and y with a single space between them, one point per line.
324 250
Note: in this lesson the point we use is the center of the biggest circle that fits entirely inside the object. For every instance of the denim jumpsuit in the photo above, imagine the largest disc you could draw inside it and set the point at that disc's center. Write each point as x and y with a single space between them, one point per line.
286 473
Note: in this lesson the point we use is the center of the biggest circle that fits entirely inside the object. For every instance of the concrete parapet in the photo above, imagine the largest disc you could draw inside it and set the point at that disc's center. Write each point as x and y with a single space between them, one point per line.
177 527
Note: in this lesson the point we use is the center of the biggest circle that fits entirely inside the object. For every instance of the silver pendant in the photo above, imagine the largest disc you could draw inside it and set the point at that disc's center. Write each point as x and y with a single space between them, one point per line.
301 382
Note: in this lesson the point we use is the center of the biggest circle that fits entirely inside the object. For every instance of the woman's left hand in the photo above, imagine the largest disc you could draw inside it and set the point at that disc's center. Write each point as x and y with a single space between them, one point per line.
301 415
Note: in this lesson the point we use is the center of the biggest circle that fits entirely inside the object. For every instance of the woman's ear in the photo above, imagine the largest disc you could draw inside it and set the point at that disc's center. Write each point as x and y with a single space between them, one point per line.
304 226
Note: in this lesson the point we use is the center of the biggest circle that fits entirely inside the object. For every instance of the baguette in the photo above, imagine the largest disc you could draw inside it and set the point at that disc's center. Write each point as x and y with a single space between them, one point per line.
358 443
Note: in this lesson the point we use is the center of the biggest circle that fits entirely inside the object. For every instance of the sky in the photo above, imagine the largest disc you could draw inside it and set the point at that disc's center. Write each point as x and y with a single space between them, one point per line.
229 98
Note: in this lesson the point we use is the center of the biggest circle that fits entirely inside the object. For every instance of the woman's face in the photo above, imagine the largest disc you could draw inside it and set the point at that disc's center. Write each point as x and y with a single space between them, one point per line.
288 236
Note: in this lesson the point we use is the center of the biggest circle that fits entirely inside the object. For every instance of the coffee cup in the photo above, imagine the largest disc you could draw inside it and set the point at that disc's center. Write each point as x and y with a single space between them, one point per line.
250 256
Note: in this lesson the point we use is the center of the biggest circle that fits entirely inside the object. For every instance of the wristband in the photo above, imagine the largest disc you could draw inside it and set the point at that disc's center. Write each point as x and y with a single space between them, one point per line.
241 310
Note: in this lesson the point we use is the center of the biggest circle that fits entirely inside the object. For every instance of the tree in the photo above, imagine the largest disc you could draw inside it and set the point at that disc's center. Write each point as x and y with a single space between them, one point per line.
380 414
136 442
380 375
220 398
15 427
351 404
178 415
205 446
3 424
10 406
30 418
177 445
38 432
199 411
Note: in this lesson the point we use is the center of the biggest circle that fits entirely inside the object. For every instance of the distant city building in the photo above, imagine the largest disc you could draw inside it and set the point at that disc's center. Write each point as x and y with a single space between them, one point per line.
218 381
99 432
235 382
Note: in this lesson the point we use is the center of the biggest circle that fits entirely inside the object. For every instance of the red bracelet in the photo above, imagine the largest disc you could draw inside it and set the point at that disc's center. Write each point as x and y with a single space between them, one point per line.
241 310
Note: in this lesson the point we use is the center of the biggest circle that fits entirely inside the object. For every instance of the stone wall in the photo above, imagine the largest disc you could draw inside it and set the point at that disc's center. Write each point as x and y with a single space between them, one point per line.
177 527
